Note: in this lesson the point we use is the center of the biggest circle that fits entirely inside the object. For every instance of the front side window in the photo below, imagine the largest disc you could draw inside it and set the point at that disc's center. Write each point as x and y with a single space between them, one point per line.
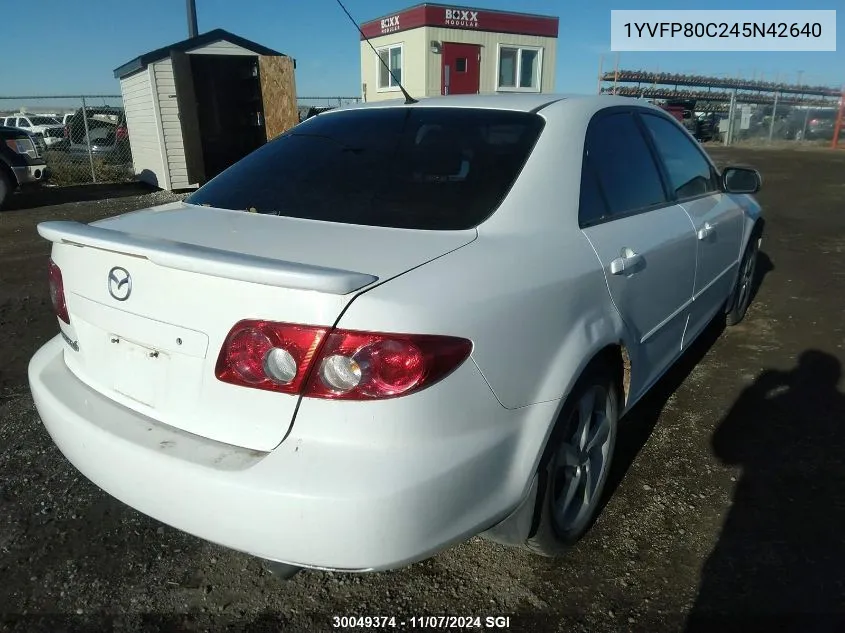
627 174
392 56
413 168
519 68
689 171
23 123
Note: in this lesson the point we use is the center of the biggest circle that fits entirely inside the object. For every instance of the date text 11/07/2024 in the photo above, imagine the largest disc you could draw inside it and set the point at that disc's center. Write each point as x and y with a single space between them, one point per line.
421 622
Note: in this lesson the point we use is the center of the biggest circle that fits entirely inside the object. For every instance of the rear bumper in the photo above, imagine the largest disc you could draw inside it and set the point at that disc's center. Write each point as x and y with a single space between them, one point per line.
312 502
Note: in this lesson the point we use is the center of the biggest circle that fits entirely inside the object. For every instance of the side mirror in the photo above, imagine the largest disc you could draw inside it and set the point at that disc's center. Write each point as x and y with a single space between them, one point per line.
741 180
687 114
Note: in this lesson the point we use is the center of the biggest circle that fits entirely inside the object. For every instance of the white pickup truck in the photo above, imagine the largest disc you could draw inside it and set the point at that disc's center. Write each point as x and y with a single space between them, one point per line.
46 128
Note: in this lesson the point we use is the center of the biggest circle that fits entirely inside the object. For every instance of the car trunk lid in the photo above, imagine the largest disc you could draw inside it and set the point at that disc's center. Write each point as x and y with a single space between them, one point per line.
152 343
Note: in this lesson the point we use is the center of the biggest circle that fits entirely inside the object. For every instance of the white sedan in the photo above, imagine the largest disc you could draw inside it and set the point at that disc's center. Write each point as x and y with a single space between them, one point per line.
394 327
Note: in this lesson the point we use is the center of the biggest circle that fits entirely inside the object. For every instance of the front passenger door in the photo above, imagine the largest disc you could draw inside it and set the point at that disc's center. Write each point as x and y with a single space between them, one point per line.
717 219
645 242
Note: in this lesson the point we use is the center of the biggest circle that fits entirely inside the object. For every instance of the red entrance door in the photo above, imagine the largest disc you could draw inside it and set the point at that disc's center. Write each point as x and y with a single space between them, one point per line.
461 71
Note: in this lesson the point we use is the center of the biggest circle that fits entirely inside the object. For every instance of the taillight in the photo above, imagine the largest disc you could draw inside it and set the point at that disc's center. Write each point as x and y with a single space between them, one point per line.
121 133
345 365
369 366
67 131
268 355
57 293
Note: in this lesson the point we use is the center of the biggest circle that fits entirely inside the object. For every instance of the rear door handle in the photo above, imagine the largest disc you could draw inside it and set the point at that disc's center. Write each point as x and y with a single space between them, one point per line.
706 231
626 262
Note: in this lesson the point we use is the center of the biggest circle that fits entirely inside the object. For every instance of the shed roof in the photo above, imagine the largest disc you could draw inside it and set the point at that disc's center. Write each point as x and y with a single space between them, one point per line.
193 43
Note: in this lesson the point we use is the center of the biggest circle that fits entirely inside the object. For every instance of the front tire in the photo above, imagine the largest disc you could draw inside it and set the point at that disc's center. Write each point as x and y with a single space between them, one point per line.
575 469
744 282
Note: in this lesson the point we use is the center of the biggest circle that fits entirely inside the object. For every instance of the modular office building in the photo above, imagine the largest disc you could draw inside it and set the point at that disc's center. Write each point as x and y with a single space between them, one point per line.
435 49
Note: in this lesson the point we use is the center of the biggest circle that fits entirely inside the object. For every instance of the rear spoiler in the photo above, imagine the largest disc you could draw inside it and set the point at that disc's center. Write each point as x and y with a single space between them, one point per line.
208 261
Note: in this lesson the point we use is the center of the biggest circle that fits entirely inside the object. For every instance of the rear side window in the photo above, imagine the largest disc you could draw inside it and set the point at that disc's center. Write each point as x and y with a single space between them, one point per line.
623 163
689 171
415 168
592 207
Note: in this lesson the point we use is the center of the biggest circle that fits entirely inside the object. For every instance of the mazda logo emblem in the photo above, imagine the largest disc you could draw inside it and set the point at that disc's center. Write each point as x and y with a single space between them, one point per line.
120 283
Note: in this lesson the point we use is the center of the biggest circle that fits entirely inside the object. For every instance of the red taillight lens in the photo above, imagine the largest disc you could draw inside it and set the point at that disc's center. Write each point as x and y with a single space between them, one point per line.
67 131
267 355
367 366
121 134
57 293
346 365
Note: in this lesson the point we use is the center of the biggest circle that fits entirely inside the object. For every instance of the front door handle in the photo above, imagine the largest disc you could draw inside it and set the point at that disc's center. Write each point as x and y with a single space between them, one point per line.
627 261
706 231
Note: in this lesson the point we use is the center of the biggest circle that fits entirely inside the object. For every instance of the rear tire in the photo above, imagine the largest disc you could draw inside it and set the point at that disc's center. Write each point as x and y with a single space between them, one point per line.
5 188
744 281
574 469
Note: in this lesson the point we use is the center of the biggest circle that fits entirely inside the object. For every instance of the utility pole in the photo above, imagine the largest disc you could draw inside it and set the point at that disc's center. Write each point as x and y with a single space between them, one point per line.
192 18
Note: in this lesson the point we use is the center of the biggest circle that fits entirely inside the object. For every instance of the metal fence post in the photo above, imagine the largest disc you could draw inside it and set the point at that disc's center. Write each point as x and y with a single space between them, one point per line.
806 120
774 112
88 140
731 115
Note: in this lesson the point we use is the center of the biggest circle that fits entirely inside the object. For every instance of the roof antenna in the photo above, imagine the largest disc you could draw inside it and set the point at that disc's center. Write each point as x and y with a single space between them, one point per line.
408 98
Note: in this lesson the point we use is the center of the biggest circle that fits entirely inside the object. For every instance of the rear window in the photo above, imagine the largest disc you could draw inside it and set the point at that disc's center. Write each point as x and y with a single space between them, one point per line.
415 168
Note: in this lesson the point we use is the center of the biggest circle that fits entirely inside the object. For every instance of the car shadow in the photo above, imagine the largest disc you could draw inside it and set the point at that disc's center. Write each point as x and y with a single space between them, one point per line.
779 559
31 198
637 426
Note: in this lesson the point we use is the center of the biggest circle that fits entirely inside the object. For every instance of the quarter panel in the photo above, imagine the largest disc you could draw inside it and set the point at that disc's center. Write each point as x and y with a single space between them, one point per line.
536 308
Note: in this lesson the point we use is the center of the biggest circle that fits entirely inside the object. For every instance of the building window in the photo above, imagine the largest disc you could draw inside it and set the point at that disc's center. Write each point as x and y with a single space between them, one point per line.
520 68
392 56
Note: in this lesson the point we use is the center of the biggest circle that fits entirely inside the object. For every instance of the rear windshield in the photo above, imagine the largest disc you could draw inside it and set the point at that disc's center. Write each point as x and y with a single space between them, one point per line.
43 120
415 168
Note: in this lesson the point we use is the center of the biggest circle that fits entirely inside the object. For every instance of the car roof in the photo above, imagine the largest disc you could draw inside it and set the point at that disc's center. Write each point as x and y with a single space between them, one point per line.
518 102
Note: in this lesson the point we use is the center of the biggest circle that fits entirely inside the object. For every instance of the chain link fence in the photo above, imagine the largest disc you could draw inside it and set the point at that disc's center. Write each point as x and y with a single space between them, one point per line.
83 139
779 122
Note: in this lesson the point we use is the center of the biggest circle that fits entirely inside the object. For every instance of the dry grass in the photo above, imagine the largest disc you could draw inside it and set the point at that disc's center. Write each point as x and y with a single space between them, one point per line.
70 171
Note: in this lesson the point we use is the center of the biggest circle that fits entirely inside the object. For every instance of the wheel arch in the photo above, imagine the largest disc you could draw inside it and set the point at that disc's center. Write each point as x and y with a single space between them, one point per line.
522 523
754 228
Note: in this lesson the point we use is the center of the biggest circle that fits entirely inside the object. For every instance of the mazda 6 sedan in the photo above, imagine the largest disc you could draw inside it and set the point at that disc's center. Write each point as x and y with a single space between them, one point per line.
394 327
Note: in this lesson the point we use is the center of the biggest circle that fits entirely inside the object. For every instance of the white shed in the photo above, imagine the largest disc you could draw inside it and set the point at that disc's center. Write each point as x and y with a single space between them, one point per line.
198 106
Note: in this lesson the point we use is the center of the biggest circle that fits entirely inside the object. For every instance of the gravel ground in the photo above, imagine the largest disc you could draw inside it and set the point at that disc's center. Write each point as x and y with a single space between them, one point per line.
725 509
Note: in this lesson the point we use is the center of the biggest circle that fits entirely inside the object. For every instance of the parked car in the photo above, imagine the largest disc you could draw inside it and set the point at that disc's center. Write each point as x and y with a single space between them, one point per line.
820 124
48 129
107 135
443 311
21 164
701 127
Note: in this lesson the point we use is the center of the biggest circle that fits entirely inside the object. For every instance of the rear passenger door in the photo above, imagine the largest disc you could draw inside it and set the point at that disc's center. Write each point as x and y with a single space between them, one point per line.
717 219
644 241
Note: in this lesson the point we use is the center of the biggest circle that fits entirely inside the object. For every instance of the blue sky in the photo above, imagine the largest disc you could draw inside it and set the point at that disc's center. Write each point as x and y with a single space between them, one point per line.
82 42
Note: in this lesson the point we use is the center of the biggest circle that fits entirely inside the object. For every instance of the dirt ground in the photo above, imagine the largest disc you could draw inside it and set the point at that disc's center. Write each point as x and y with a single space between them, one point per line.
725 512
